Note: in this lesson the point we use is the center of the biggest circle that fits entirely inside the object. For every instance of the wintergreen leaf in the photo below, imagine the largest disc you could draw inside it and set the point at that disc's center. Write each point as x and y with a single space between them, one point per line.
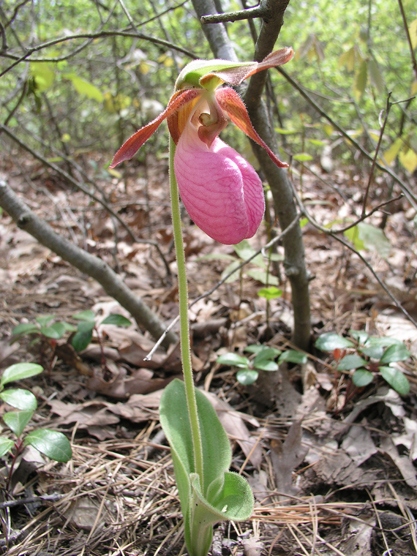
266 365
360 335
44 319
17 420
85 315
52 444
270 293
396 379
396 352
83 337
19 371
55 331
118 320
20 399
362 377
254 348
293 356
330 341
233 359
374 352
350 362
5 445
24 329
266 354
247 376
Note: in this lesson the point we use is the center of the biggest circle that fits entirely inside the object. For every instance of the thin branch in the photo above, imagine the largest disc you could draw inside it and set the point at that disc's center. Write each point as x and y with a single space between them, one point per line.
90 265
81 187
222 281
409 194
371 173
249 13
90 36
410 44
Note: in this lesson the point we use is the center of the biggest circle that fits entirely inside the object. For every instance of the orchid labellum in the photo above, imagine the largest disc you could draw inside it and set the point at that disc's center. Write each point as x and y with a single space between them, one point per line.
219 188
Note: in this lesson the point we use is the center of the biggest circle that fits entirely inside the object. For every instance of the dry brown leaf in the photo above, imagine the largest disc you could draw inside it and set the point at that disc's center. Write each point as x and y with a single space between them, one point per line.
405 466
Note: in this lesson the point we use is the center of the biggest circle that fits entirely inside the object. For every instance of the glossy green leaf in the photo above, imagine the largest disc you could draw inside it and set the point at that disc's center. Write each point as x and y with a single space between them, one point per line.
54 331
374 352
350 362
233 359
266 354
118 320
19 371
254 348
293 356
362 377
43 320
266 365
360 335
247 376
85 315
17 420
396 352
396 379
24 329
330 341
52 444
20 399
5 445
272 292
303 157
83 337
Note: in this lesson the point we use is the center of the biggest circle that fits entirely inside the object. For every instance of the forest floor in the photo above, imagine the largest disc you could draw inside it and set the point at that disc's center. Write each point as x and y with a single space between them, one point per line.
331 467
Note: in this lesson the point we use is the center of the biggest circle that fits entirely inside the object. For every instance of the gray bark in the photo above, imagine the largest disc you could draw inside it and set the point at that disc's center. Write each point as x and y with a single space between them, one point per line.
277 178
85 262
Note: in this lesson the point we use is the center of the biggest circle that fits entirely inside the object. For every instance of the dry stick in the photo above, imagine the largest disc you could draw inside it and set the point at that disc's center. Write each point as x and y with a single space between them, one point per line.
249 13
81 187
410 195
85 262
222 281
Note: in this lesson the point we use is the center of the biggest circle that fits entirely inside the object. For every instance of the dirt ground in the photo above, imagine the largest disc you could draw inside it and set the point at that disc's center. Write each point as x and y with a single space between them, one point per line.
332 472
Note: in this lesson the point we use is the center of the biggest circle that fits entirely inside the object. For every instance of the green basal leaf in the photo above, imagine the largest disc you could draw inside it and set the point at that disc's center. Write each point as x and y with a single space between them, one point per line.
17 420
270 293
52 444
247 376
20 399
330 341
396 352
55 331
350 362
362 377
266 366
293 356
5 445
396 379
220 497
19 371
85 315
118 320
24 329
233 359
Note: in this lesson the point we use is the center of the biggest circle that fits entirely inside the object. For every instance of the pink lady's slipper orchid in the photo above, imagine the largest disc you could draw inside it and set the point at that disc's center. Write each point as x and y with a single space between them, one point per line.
220 190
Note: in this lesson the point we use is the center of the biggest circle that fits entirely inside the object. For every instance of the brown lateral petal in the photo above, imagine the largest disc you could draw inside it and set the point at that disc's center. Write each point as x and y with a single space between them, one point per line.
233 105
134 143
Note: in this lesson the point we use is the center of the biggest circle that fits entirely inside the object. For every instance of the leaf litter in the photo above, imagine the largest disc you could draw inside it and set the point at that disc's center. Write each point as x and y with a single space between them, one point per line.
330 475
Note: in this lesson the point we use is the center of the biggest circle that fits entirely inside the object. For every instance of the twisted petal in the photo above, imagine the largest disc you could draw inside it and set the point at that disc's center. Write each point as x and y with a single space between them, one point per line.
232 104
220 190
178 101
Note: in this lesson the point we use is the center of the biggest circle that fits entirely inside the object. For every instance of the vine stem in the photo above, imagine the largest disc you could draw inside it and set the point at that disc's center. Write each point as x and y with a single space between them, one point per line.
184 325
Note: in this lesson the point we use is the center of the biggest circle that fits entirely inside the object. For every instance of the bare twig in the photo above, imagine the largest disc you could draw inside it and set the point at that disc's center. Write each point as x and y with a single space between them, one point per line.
249 13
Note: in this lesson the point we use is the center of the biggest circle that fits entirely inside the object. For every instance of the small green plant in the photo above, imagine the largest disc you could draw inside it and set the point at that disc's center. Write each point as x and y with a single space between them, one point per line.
367 357
263 360
52 444
48 332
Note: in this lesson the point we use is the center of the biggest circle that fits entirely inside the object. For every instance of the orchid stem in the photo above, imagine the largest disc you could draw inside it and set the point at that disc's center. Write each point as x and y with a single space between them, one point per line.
184 327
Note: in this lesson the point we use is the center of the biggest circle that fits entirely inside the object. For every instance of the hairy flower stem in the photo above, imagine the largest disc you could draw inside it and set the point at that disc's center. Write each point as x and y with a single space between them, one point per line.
184 327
